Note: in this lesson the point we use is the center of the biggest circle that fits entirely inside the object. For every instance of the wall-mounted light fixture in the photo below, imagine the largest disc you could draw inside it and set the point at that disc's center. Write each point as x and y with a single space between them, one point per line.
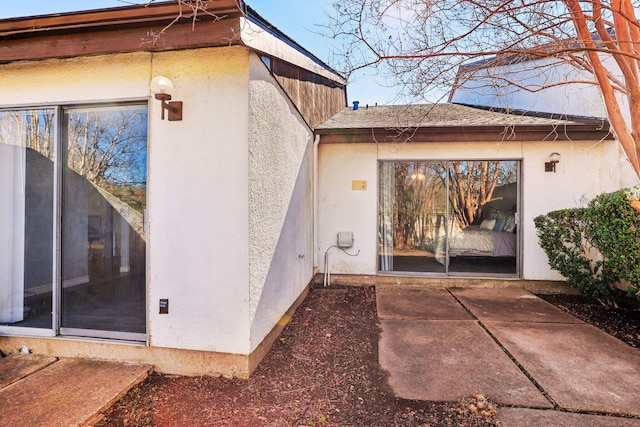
550 166
162 88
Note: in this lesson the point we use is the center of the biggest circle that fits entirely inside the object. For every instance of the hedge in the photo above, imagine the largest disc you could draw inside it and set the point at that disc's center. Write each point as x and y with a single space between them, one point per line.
596 247
615 230
563 237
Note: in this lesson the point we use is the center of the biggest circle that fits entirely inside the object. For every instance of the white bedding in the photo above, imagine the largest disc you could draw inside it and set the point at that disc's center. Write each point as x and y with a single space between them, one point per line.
476 241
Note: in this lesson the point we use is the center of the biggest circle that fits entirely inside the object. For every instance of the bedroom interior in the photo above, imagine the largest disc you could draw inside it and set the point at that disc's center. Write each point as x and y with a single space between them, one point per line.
449 217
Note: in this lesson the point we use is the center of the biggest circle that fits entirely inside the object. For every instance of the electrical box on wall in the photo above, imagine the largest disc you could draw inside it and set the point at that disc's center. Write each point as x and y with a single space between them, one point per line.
345 239
164 306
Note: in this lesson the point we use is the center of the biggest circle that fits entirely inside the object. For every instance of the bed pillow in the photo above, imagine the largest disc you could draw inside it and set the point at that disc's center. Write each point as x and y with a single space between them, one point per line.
488 224
500 223
510 226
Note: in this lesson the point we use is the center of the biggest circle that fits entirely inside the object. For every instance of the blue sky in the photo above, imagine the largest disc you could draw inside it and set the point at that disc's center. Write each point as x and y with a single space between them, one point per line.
298 19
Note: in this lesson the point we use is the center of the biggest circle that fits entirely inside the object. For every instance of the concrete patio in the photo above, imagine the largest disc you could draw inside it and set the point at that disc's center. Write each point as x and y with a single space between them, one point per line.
541 365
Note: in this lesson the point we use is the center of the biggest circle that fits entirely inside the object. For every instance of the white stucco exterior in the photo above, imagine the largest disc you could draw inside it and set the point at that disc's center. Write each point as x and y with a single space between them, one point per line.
545 85
242 201
230 208
198 210
584 171
280 203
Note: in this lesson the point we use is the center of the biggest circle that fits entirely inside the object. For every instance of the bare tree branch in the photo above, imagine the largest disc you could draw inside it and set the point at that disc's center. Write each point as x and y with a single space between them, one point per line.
423 45
194 10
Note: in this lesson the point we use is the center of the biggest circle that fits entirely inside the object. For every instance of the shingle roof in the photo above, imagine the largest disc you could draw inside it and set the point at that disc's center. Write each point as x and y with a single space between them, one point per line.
453 123
432 115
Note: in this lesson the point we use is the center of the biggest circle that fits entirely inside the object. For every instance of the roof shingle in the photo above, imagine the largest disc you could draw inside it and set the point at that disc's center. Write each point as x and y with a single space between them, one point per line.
434 115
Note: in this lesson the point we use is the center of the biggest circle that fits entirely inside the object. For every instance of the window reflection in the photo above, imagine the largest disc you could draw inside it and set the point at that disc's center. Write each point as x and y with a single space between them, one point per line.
104 197
448 216
27 151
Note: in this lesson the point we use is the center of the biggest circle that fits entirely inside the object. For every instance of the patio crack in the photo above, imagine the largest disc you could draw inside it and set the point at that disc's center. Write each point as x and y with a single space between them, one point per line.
508 353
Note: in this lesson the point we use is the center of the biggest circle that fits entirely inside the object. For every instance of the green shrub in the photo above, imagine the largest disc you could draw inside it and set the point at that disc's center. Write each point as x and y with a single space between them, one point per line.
563 237
614 228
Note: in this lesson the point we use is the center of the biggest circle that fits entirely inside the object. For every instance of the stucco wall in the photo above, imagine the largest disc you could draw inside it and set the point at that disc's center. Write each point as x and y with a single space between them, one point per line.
585 170
280 202
198 210
491 87
197 180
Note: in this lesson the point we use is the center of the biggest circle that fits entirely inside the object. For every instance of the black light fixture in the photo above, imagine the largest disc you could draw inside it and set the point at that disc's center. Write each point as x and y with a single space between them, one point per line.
550 166
162 88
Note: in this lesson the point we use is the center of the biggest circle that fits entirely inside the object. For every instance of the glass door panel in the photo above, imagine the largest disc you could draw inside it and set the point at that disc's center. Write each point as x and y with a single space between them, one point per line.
483 198
103 238
27 155
449 217
413 216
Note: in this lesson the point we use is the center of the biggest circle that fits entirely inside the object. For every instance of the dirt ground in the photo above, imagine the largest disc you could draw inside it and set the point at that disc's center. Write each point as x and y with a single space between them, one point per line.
622 322
323 371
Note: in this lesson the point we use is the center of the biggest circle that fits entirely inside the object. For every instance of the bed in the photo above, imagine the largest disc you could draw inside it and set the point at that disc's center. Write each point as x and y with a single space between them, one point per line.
477 240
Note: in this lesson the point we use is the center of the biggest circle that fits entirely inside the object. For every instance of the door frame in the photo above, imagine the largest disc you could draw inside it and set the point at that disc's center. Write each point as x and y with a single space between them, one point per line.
56 223
447 273
59 330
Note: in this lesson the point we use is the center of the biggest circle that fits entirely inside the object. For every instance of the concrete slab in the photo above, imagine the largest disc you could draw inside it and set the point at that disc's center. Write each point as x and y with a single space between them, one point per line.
425 304
69 392
517 417
510 304
581 367
15 367
443 360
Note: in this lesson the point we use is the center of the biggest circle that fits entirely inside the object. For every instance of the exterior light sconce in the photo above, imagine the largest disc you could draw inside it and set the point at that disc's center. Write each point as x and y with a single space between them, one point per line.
550 166
161 87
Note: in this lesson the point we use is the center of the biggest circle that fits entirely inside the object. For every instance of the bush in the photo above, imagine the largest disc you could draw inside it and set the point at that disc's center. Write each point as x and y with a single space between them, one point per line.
614 228
563 237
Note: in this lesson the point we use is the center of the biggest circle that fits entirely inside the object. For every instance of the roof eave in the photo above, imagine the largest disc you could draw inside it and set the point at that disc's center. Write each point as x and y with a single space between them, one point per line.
136 28
118 30
158 13
489 133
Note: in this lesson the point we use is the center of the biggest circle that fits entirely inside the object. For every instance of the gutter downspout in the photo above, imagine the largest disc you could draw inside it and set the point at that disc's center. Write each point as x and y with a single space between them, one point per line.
316 143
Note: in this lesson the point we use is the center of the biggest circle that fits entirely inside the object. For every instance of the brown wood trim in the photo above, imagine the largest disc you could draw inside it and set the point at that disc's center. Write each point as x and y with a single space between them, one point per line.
179 36
155 12
316 97
464 134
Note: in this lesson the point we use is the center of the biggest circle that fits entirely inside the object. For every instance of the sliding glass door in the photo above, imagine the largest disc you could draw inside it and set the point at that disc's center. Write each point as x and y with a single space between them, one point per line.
27 157
449 217
412 216
72 240
103 240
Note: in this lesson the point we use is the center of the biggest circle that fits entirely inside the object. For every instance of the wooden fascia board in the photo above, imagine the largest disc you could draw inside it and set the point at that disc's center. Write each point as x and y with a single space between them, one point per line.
180 36
86 20
131 29
464 134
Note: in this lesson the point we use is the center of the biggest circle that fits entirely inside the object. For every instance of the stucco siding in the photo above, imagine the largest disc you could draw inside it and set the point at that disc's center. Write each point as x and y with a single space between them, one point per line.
585 170
198 191
280 202
343 209
197 210
537 86
99 78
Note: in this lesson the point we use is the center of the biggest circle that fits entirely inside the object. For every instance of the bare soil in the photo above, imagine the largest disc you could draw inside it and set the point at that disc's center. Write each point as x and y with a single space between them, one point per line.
323 371
622 322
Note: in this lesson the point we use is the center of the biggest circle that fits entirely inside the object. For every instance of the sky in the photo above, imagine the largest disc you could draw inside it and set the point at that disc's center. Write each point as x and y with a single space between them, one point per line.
298 19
